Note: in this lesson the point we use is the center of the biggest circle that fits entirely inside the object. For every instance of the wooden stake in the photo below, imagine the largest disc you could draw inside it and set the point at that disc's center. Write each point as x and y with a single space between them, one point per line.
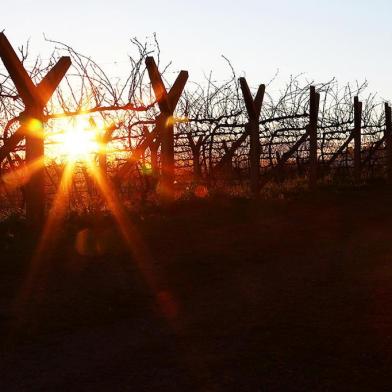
313 114
253 107
167 102
34 98
357 139
388 141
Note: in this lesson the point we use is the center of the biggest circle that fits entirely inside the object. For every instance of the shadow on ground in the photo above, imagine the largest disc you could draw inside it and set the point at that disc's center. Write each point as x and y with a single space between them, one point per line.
289 295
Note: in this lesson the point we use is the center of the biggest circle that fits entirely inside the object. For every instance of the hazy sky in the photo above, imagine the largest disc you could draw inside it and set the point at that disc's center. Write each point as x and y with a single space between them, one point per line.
348 39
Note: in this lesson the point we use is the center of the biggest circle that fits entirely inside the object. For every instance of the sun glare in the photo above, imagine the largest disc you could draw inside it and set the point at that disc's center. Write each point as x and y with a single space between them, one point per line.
79 144
76 142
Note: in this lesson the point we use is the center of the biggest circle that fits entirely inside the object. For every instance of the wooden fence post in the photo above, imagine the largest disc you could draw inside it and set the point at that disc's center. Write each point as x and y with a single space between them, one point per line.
195 148
153 147
167 102
357 139
313 115
388 141
34 98
35 151
253 108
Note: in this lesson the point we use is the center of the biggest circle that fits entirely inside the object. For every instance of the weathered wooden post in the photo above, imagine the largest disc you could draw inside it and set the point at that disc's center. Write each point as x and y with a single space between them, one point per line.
313 115
357 139
34 98
253 108
227 168
35 150
151 173
167 102
196 147
388 141
153 147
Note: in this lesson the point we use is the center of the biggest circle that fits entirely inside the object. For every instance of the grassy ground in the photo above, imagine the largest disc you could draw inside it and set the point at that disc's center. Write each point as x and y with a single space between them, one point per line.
294 294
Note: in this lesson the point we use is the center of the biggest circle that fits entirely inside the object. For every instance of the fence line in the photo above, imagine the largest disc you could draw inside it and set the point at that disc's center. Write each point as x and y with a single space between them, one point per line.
311 130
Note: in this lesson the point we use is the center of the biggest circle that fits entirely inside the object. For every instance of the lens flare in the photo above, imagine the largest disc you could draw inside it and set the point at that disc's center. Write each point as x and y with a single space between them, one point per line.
34 127
17 177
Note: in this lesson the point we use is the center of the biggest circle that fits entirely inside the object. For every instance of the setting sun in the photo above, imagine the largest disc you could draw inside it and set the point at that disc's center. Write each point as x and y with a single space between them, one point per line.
79 143
76 141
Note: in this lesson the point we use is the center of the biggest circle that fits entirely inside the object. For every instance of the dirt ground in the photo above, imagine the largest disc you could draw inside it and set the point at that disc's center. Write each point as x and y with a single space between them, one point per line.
230 295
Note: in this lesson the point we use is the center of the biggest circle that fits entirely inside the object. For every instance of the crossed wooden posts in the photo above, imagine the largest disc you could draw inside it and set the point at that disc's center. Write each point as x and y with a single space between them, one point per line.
253 108
35 99
167 102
